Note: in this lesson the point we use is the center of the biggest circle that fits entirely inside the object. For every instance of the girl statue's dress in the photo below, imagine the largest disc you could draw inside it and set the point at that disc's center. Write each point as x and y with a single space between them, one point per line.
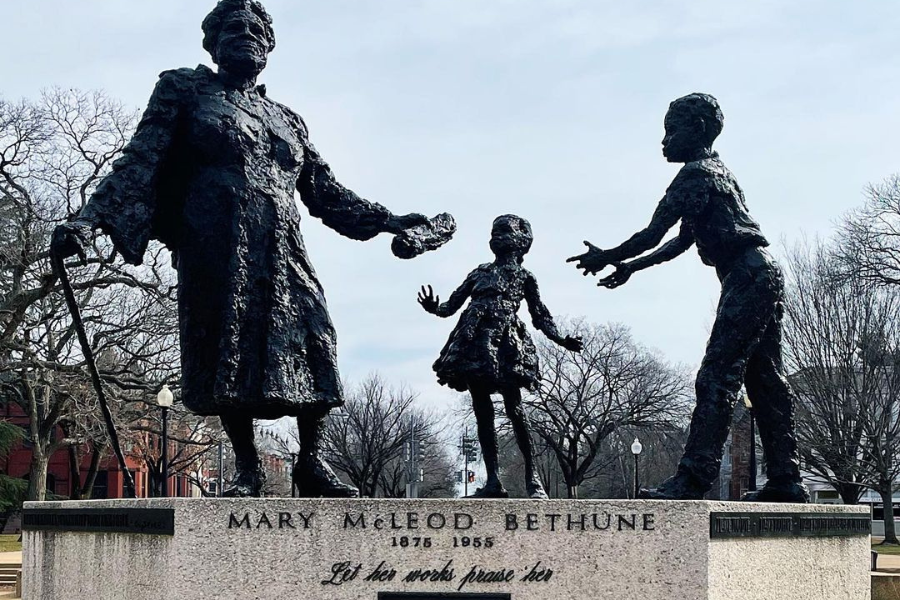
490 344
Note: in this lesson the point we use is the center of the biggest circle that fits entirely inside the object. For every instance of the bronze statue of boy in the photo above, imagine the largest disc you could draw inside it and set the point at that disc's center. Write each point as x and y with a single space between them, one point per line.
745 344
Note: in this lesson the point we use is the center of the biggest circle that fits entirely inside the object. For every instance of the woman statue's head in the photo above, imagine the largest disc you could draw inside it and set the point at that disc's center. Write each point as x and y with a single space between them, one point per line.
238 34
511 235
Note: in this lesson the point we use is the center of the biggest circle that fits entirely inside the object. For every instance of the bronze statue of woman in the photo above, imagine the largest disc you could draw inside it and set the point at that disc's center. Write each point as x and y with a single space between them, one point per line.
211 172
744 347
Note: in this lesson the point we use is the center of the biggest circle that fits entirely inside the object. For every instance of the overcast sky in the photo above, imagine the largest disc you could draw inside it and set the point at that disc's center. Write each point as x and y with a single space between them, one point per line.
551 110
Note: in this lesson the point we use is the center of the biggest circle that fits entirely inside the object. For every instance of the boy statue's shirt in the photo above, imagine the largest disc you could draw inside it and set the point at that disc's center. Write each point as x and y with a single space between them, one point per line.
709 201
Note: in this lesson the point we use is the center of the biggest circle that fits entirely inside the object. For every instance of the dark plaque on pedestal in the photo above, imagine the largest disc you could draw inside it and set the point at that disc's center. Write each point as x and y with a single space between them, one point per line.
760 525
418 596
148 521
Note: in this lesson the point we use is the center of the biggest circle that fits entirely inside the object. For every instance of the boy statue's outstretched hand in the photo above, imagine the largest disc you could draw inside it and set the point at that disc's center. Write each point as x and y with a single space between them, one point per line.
592 262
618 277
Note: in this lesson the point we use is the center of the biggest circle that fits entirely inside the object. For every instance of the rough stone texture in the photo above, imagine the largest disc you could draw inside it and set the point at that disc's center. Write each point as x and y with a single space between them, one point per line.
672 557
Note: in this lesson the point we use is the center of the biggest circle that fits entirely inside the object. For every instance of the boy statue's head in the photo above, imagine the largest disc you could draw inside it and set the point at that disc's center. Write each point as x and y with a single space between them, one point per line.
692 124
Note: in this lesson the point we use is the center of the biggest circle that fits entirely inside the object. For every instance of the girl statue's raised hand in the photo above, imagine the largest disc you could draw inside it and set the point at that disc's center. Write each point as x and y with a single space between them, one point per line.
490 351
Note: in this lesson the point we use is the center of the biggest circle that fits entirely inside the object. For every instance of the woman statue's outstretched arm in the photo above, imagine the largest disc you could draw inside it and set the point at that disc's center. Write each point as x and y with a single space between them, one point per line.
340 208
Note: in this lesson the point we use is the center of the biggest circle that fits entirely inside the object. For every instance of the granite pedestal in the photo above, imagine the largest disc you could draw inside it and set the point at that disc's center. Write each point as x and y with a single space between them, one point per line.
279 549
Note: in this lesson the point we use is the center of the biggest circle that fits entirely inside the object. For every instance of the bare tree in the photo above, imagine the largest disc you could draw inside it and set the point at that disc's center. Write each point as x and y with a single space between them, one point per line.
869 244
435 462
826 317
612 385
53 152
843 344
369 433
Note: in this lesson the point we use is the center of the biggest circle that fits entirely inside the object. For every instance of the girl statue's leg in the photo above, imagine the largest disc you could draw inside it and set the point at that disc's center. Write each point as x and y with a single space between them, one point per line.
512 398
487 438
249 476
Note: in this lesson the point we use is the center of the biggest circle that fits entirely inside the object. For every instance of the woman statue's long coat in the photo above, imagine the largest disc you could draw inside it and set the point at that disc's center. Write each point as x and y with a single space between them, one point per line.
211 171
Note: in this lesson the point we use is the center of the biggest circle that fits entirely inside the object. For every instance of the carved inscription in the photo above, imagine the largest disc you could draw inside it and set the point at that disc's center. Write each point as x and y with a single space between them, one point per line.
343 573
443 550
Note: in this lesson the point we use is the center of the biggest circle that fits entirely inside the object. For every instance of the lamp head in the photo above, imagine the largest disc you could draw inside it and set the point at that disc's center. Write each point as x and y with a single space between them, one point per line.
165 398
636 447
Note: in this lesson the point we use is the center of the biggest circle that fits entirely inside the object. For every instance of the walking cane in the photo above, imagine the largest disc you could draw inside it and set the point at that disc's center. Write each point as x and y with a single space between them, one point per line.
60 268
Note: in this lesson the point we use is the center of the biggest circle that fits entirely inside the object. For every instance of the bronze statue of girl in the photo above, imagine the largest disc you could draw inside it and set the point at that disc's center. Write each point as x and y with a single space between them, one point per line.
490 350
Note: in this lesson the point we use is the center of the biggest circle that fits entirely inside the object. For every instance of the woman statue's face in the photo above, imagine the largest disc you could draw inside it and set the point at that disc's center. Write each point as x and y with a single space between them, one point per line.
242 48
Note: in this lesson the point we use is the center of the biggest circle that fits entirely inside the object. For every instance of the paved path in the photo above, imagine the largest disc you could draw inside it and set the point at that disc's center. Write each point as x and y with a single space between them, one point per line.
888 563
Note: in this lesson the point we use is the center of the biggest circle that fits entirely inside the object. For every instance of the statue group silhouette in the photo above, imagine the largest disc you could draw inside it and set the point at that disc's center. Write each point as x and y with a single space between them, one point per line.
211 172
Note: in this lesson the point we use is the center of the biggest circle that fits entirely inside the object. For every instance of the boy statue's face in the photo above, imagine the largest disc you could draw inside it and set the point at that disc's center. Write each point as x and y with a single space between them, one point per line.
685 136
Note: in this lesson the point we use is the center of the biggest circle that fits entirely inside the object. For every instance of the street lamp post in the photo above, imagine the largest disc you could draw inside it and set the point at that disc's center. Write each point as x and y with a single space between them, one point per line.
636 449
164 399
751 483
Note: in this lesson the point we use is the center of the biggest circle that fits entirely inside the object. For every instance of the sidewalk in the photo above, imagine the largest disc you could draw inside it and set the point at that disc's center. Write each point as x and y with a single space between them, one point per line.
15 558
888 563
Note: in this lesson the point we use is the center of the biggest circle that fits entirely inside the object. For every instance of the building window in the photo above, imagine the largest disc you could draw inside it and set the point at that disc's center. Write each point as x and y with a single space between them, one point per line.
101 491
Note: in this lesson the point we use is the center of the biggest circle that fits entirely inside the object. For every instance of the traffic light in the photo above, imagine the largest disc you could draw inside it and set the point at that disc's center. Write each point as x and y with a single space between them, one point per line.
459 477
471 476
420 447
469 448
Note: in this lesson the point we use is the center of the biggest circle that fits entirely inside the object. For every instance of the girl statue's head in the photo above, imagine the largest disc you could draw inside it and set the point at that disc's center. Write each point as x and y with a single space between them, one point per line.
511 235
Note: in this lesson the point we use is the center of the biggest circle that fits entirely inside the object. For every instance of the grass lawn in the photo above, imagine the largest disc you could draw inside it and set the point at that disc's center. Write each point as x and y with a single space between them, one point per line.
875 546
10 543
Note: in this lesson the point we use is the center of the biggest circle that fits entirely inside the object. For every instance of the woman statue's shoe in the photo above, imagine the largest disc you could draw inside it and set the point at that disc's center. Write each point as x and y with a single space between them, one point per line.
313 478
246 484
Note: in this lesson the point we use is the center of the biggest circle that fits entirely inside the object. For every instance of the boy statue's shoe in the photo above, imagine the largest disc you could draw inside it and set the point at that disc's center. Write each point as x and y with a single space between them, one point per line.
785 491
678 487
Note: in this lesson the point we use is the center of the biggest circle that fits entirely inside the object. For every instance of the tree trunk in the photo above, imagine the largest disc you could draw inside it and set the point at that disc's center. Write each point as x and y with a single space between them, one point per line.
849 492
79 490
37 479
886 489
88 489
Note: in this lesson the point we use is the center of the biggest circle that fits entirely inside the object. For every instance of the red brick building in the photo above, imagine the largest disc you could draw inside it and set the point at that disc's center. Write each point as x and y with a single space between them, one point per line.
109 481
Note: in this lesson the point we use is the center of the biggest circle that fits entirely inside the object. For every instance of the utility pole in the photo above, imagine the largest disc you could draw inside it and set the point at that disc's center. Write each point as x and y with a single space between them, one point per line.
466 469
221 483
414 451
